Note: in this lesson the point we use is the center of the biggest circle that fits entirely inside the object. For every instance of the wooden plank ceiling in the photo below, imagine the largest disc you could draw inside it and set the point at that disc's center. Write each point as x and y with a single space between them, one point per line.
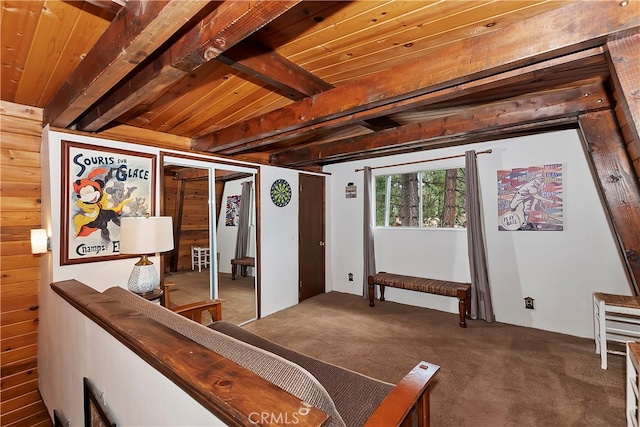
307 82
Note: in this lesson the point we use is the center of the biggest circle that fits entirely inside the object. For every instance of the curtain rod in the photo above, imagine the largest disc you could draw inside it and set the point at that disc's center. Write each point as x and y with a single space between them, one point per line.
424 161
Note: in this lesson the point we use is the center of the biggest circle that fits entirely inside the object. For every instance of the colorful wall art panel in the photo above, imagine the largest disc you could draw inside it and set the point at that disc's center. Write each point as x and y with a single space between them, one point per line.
530 198
233 211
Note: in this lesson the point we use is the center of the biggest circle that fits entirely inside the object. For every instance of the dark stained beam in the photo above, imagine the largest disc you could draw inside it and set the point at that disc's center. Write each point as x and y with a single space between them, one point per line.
577 26
110 6
466 125
618 187
289 79
230 23
624 58
191 174
582 65
135 33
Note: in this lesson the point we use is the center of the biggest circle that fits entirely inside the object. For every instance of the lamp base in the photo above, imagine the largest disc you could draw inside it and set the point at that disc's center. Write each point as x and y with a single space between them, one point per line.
144 278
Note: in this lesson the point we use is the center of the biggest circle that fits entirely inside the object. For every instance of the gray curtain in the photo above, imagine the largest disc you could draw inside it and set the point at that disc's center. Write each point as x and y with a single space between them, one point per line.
369 224
481 307
242 238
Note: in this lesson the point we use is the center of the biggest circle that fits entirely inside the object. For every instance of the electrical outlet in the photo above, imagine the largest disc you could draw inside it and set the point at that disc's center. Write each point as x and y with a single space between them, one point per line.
351 277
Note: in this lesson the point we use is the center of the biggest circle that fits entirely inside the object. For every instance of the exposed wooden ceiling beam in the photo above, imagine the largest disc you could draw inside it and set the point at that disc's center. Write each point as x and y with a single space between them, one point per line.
465 124
290 80
191 174
230 23
587 64
266 65
135 33
111 6
562 31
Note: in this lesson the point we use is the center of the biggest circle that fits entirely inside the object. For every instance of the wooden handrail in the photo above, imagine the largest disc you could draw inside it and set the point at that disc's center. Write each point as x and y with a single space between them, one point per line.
229 391
410 394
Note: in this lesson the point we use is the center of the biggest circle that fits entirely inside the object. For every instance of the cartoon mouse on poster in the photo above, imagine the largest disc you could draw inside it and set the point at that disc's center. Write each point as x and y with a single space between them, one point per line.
93 201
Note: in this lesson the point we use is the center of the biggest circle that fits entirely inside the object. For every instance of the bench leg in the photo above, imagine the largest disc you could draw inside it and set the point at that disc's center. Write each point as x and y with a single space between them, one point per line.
463 308
381 292
233 272
372 291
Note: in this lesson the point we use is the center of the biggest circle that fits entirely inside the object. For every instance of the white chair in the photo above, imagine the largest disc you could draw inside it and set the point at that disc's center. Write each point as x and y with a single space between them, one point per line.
616 318
200 257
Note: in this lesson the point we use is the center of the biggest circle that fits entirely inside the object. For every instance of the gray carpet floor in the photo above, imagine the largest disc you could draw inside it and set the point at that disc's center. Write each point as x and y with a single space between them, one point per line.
492 374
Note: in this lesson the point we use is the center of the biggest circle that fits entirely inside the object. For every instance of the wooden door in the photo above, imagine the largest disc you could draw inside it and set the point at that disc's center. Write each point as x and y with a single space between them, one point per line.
311 243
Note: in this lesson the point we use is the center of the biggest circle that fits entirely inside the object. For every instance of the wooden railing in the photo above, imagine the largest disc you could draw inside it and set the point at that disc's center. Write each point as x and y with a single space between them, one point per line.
229 391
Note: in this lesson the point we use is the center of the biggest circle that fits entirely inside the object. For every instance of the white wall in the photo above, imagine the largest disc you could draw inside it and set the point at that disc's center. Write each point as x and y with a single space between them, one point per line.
279 243
559 269
87 350
63 360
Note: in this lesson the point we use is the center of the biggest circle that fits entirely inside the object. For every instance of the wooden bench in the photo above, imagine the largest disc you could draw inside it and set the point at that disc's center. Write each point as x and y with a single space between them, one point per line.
432 286
244 262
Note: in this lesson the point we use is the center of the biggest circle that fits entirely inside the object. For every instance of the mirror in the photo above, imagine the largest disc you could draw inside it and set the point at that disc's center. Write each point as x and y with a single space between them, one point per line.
235 238
205 200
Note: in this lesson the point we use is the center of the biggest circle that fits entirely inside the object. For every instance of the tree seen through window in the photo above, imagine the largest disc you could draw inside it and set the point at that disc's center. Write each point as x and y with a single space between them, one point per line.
431 199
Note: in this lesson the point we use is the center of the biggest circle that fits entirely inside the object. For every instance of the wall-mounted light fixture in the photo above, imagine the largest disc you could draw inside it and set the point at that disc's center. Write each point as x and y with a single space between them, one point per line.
40 241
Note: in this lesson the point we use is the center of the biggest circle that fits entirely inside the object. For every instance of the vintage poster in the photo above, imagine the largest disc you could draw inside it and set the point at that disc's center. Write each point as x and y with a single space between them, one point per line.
232 214
101 185
530 198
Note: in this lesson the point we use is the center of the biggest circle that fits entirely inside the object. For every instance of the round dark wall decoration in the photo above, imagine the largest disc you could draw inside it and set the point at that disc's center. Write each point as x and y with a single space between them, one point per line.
280 192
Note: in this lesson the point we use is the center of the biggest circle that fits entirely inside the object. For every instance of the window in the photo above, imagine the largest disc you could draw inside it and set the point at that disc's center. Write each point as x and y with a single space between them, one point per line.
425 199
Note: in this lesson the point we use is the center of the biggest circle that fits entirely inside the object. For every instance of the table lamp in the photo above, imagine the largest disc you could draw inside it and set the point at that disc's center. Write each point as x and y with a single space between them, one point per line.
143 236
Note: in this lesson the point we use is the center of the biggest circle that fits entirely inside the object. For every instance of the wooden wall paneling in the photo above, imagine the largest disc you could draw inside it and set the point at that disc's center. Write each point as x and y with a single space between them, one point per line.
20 402
17 397
20 328
16 381
22 341
32 414
191 218
136 135
23 314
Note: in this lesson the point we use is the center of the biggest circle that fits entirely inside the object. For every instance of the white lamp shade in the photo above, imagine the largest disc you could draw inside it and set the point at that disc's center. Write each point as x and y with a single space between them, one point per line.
39 241
146 235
